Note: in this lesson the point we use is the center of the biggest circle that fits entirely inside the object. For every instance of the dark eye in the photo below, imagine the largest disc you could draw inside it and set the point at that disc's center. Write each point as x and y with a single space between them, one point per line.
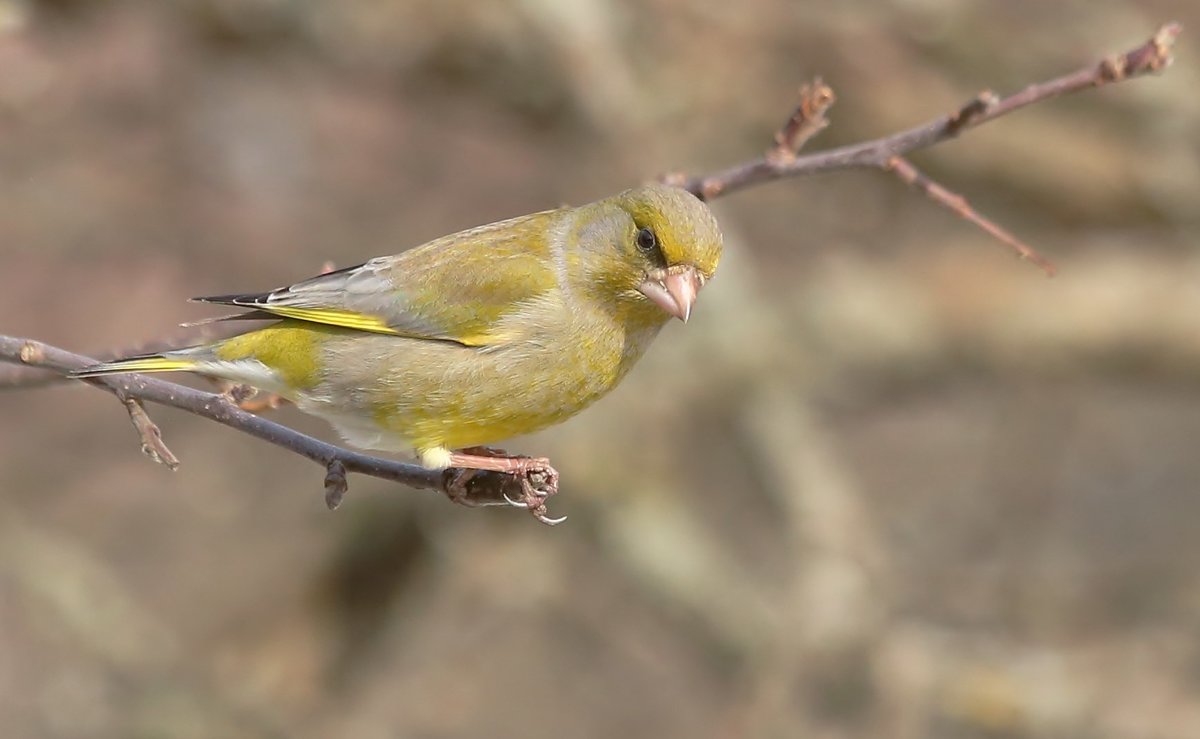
647 243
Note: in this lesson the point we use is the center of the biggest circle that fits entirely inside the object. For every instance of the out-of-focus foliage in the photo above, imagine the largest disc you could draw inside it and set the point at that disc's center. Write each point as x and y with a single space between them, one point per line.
887 482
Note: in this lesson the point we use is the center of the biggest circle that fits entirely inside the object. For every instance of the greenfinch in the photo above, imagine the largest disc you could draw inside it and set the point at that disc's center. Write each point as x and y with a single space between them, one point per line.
475 337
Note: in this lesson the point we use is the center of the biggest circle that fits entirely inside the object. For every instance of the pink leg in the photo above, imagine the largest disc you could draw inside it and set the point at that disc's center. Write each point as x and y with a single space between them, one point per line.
496 460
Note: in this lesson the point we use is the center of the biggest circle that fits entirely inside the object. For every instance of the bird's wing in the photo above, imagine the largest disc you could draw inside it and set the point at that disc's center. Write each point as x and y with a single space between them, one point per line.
456 288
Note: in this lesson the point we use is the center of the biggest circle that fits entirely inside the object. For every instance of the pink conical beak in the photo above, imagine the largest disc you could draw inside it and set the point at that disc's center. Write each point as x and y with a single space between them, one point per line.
675 292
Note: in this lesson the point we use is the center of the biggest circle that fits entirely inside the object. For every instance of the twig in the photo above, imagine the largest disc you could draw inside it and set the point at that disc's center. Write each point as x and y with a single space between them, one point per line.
958 204
486 488
24 378
34 354
806 121
153 445
1152 56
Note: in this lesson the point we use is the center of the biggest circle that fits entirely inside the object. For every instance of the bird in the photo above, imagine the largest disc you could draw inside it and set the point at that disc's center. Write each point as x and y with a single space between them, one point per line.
469 339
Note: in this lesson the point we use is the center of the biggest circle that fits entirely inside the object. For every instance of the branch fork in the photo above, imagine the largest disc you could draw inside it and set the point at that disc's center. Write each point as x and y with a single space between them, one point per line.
887 153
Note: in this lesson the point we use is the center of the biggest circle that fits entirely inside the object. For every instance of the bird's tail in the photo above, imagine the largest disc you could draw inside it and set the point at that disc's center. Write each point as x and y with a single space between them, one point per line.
168 362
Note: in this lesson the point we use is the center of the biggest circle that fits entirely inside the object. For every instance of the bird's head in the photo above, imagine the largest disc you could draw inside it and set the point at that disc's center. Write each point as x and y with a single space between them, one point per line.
652 248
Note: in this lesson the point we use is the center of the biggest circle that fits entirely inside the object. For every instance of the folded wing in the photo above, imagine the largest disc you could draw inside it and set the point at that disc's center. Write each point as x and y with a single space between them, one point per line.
457 288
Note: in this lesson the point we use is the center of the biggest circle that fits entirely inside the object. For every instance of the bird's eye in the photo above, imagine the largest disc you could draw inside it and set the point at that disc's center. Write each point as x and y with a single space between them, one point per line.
647 242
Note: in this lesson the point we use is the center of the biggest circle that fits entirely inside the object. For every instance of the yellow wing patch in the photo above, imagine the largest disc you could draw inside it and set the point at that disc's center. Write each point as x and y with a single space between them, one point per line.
333 317
363 322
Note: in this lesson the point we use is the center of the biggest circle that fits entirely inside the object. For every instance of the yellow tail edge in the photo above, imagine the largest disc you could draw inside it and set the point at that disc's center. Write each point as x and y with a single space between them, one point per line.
134 364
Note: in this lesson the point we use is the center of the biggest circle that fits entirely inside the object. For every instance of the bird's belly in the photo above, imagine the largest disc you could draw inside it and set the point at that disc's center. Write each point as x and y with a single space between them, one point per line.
438 394
505 397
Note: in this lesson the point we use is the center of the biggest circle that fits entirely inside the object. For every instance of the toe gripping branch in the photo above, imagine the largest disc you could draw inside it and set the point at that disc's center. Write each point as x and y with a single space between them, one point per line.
529 487
527 483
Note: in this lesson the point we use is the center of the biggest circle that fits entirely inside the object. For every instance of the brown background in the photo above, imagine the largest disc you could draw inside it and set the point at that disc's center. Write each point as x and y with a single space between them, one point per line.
889 482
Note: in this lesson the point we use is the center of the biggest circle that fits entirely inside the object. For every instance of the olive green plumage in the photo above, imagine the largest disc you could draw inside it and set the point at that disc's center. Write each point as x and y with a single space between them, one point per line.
477 336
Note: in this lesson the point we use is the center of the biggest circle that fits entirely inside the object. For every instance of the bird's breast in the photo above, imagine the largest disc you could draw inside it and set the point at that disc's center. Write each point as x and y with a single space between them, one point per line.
453 396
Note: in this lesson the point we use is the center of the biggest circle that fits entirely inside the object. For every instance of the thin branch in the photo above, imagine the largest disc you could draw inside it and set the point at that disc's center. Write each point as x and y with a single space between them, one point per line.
1152 56
483 489
33 353
807 120
153 445
958 204
24 378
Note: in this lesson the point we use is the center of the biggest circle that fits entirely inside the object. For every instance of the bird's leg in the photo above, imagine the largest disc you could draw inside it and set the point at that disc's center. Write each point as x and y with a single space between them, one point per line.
495 460
538 480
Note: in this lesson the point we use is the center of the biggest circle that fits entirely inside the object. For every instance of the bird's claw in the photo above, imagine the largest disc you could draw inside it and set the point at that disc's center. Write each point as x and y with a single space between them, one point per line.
514 503
535 477
538 482
535 502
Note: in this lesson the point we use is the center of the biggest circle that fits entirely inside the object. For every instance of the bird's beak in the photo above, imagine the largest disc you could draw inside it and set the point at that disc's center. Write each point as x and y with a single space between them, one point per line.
674 290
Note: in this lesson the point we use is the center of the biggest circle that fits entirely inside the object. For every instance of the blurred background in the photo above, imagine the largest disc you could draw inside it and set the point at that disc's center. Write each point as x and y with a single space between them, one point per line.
889 482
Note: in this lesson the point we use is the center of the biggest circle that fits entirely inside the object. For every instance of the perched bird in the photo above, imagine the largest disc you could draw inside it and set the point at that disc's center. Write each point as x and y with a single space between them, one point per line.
474 337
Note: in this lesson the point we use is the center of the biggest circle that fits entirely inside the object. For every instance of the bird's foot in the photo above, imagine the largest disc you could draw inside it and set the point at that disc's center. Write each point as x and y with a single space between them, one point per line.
250 398
527 481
